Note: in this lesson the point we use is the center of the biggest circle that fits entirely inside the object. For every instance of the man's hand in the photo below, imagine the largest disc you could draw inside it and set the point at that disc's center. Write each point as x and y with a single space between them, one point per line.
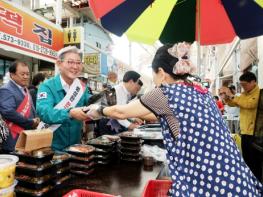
78 114
92 111
138 121
225 93
36 121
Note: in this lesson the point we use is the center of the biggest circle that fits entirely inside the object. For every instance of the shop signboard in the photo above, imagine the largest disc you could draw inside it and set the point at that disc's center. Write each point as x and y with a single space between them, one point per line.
25 32
74 36
92 63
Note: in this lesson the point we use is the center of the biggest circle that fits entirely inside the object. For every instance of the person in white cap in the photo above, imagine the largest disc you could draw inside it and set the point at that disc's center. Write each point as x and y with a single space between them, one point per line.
60 100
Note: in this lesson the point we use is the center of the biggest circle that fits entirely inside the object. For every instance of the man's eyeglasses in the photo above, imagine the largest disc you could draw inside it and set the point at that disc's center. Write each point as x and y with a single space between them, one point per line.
72 62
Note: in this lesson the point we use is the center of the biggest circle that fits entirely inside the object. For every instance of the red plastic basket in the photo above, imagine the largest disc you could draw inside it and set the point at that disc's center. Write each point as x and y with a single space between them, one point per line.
85 193
157 188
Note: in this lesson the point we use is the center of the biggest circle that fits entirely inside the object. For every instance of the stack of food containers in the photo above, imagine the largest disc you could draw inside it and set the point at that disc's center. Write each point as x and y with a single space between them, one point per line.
34 172
130 147
105 151
82 159
62 169
7 175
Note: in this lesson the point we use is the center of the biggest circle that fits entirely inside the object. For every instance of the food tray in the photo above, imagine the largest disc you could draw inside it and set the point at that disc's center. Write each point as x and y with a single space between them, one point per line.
112 138
62 172
103 162
129 136
21 191
81 172
126 143
102 157
130 150
104 150
33 166
99 156
58 164
80 150
82 160
131 158
61 156
129 147
62 180
76 166
34 179
33 183
101 143
37 157
35 171
131 154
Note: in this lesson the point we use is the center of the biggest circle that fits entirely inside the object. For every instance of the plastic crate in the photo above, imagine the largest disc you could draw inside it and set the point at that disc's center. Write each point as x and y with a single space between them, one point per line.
157 188
85 193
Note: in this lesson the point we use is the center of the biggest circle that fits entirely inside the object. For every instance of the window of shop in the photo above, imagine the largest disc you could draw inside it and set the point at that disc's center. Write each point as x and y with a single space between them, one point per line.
4 66
98 45
47 68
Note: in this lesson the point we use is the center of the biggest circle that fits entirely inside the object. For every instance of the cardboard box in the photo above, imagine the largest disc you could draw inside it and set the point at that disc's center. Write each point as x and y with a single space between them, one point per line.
30 140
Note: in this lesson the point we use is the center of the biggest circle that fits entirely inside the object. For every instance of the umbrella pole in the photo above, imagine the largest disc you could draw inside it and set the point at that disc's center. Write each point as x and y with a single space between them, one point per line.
198 38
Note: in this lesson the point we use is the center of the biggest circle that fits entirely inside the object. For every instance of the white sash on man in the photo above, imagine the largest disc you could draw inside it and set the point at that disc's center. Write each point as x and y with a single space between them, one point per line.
70 100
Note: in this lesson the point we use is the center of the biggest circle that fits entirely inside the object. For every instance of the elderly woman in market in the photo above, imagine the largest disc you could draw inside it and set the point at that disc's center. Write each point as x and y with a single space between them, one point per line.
202 157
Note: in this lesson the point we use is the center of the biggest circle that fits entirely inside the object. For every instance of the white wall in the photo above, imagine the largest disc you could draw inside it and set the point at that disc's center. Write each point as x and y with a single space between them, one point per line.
94 34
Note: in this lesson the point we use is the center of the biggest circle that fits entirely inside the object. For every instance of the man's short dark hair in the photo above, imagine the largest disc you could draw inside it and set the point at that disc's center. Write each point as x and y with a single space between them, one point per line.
13 66
38 78
131 75
140 83
248 77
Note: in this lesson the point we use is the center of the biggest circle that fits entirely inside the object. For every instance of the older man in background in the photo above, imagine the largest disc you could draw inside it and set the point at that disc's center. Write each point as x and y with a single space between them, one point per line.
61 98
16 106
121 94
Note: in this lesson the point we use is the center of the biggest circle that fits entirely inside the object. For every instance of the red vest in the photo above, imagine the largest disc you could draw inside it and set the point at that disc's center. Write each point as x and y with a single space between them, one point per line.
24 110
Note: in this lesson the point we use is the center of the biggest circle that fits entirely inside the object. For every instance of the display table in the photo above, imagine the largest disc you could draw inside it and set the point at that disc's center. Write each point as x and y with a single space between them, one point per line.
126 179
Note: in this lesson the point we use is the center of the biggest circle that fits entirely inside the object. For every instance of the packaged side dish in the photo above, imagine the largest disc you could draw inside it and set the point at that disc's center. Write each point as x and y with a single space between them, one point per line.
7 170
8 192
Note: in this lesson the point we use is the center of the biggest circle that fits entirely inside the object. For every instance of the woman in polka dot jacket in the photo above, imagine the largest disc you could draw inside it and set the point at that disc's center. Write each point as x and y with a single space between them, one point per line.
202 157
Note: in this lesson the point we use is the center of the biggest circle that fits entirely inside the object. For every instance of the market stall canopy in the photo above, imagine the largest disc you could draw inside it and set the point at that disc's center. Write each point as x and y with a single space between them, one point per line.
172 21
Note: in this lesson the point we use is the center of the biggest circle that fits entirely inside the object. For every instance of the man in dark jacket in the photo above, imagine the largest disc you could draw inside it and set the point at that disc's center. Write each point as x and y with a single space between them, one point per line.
16 105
